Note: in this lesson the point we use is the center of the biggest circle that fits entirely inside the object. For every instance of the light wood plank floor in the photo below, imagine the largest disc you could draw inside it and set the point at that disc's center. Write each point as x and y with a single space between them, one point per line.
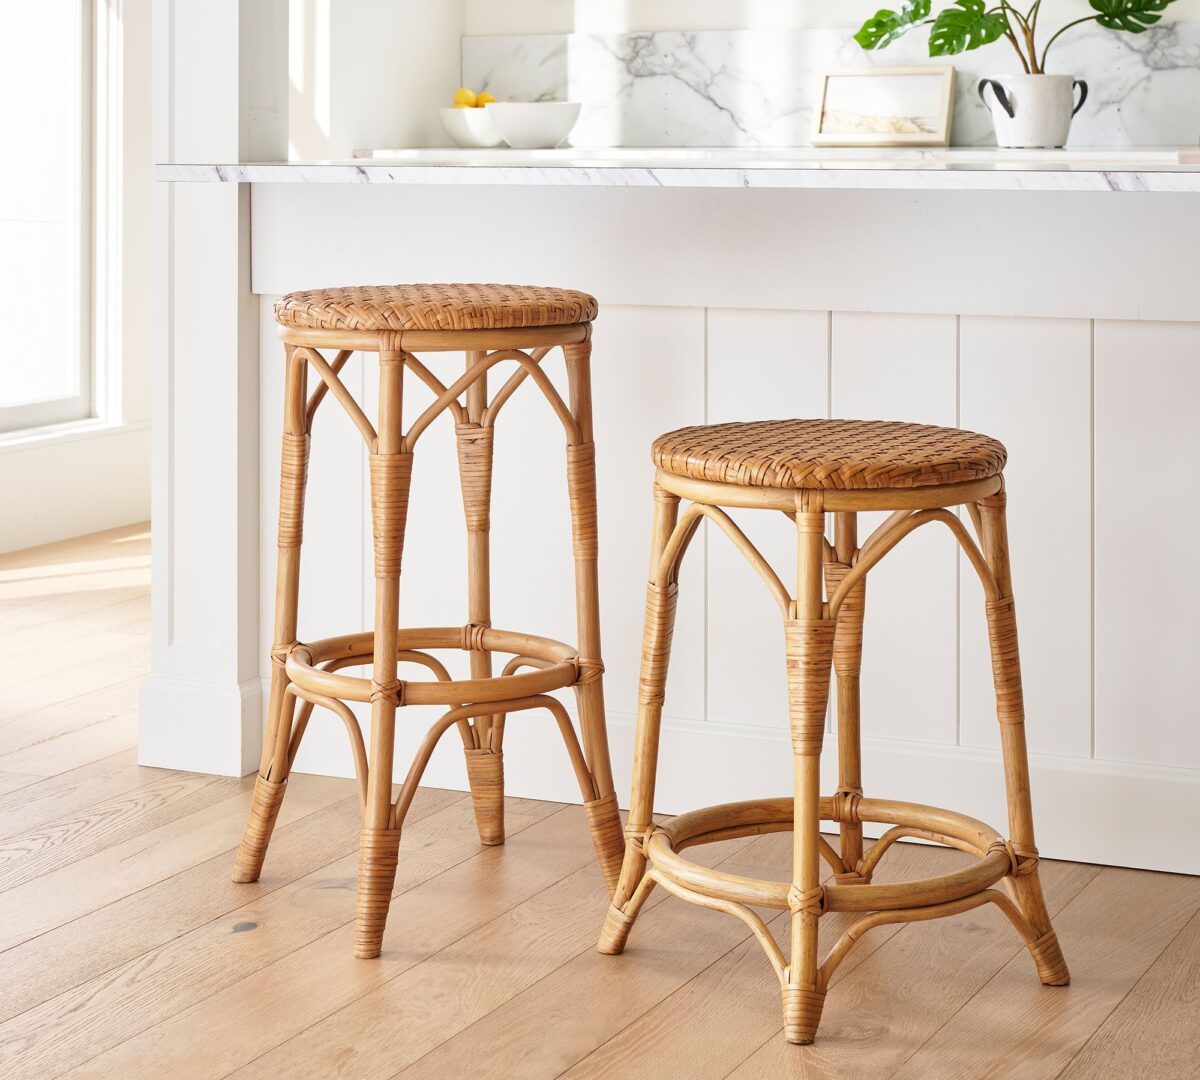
125 951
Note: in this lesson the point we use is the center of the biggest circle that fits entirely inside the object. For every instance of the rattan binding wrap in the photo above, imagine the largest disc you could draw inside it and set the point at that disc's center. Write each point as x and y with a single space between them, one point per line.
264 809
801 1013
378 856
828 454
604 823
1047 956
434 307
485 770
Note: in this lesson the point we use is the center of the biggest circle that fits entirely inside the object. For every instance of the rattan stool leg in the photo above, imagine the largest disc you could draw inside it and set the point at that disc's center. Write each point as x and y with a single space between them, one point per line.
1010 710
273 769
847 664
809 638
485 763
604 821
661 596
391 472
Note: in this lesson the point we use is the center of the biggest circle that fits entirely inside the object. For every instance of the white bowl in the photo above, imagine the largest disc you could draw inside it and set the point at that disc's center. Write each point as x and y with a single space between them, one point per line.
470 127
534 125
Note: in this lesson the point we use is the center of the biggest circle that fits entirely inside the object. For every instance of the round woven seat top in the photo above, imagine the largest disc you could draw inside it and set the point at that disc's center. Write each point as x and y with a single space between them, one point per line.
434 307
828 454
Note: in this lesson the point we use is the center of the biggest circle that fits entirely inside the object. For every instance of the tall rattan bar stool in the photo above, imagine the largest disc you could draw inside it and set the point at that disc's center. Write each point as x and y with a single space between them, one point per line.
493 325
807 469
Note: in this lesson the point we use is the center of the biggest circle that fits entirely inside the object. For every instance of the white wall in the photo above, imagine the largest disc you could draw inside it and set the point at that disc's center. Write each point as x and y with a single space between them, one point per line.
98 476
370 73
609 16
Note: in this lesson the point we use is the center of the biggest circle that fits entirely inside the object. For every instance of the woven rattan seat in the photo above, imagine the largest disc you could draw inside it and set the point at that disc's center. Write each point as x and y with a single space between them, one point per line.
828 454
434 307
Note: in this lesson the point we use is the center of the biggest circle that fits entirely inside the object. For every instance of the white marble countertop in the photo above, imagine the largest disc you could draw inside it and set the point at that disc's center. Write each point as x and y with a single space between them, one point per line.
1157 169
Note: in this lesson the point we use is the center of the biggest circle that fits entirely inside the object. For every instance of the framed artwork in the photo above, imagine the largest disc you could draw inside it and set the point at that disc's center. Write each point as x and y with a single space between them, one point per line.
885 106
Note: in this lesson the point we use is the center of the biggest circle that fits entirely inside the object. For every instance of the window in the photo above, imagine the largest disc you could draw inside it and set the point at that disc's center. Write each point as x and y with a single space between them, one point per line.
46 188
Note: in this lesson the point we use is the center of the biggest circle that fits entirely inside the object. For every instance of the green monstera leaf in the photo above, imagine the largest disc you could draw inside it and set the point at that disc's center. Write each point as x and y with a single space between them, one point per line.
886 26
1131 15
967 24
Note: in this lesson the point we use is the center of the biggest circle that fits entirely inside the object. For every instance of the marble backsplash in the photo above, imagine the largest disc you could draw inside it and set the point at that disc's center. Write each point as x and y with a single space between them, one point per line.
758 87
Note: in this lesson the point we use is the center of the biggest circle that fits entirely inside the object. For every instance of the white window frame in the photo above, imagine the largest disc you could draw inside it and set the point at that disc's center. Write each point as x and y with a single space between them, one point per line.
30 417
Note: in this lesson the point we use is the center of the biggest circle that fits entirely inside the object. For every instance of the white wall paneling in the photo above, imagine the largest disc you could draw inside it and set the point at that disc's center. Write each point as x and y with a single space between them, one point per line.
1027 382
928 711
903 367
1147 520
761 365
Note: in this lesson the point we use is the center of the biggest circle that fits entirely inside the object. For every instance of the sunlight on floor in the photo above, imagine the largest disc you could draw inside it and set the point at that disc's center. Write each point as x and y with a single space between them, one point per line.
115 559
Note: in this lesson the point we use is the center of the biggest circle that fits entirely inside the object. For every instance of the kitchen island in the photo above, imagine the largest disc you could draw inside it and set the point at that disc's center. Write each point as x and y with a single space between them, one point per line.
1050 301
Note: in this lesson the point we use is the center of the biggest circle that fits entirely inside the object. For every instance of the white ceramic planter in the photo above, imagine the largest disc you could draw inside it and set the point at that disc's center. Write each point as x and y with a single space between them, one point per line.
1032 110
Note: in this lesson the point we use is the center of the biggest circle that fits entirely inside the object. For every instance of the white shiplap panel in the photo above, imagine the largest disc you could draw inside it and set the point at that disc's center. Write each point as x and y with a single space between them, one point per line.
1027 382
647 378
1147 521
761 365
902 367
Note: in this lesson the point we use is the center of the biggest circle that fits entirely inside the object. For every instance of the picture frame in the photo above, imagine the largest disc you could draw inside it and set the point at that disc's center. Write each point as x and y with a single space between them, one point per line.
885 106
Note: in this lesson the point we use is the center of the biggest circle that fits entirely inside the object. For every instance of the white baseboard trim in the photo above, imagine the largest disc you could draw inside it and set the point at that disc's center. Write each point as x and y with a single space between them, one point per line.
1086 810
199 726
80 482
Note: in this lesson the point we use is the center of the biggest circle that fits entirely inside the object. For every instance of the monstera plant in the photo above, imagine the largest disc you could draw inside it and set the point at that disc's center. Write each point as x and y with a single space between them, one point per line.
970 24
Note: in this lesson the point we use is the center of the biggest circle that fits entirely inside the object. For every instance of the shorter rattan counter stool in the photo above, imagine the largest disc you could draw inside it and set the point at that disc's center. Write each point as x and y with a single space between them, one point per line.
806 469
493 324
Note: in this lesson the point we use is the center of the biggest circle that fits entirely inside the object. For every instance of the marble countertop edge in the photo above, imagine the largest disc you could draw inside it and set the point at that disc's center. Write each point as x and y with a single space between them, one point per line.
1153 170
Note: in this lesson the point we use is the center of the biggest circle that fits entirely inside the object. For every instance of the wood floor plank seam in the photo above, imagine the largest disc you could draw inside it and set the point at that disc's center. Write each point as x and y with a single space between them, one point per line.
61 842
50 737
917 861
658 897
779 919
349 1004
1017 950
451 799
864 975
143 595
351 843
995 975
340 927
1128 993
132 663
1178 898
75 700
240 796
137 777
549 974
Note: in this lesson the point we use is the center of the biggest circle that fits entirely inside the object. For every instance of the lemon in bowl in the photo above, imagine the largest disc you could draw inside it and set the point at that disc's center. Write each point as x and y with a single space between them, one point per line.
468 122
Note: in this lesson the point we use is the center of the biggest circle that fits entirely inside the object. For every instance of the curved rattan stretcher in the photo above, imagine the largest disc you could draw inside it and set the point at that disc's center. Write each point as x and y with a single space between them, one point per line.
805 469
498 327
